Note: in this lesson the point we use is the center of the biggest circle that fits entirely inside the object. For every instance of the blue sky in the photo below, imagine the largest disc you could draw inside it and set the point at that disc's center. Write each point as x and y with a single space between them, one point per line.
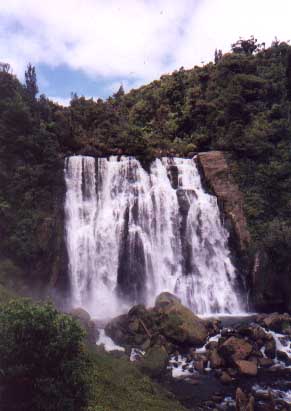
60 81
92 46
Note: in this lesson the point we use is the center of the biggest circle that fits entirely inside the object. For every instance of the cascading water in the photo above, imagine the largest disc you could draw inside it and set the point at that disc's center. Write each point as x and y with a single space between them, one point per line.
132 234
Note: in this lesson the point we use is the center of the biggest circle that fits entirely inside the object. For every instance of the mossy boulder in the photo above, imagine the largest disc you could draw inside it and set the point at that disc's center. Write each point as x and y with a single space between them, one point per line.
168 319
179 324
87 324
154 361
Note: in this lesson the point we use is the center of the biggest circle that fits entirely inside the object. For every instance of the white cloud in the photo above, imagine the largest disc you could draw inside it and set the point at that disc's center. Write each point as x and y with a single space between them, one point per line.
132 39
65 101
62 101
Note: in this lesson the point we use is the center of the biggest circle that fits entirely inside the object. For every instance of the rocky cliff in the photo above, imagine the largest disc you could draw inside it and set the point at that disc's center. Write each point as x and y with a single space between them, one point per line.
269 289
218 178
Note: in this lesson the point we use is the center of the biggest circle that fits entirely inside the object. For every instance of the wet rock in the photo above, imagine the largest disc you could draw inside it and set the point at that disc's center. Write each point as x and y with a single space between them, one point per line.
117 329
270 348
133 325
280 323
199 365
243 402
227 332
254 332
283 356
256 353
232 372
225 378
235 349
265 362
83 317
213 326
173 176
247 367
212 345
185 198
216 361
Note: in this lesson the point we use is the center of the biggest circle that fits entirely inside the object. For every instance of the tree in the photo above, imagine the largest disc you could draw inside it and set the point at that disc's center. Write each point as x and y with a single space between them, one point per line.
31 82
217 56
43 361
5 67
119 93
247 46
288 75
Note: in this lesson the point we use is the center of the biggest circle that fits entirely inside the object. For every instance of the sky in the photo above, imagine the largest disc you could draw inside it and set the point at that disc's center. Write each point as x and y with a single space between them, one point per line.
92 46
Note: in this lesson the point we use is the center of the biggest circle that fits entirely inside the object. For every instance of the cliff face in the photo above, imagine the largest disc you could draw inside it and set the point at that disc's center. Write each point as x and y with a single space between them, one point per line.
45 273
219 180
270 289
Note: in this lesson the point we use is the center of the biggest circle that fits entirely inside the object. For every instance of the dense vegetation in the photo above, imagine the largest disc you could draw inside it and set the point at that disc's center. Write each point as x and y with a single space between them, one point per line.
45 366
239 104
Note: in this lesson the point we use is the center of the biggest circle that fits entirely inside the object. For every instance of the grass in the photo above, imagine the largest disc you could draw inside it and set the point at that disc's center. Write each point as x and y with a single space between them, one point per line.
120 386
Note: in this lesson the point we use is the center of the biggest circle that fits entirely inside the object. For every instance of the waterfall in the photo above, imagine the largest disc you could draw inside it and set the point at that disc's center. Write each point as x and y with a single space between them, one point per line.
132 234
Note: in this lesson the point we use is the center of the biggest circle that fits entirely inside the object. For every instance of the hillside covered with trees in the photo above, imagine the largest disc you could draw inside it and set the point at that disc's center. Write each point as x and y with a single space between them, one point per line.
240 104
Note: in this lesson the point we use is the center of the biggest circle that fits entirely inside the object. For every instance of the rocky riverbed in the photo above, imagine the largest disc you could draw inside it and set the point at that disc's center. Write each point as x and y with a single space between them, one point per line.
226 363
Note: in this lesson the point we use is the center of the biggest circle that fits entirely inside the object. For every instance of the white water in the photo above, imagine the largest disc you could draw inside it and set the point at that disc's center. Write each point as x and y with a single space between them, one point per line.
129 237
180 367
107 342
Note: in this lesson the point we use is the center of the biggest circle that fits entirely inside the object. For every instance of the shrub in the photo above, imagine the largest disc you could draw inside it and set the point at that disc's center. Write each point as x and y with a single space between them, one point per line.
43 361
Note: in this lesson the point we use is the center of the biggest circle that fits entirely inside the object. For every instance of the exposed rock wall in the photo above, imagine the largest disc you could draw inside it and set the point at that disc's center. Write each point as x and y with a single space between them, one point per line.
269 289
219 180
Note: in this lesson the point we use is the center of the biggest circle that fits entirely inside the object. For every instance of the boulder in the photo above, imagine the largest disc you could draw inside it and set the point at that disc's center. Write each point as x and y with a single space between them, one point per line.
270 348
244 402
155 361
117 329
81 314
178 323
216 361
235 349
225 378
165 299
283 356
247 367
168 320
254 332
265 362
280 323
83 317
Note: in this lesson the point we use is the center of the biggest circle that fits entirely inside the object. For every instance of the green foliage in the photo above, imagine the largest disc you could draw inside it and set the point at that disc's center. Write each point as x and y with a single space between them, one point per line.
42 356
120 386
247 46
30 82
46 367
